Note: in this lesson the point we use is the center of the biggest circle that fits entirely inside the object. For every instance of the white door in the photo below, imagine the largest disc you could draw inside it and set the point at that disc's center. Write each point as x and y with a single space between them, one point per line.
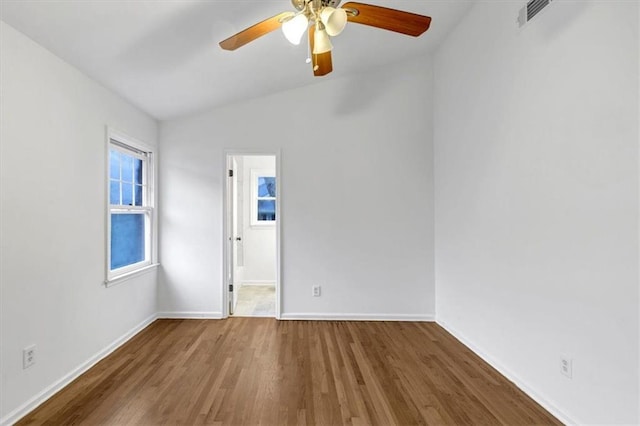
236 233
230 234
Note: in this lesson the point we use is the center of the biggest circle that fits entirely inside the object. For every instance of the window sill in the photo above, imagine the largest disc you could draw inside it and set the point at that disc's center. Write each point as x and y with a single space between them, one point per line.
125 277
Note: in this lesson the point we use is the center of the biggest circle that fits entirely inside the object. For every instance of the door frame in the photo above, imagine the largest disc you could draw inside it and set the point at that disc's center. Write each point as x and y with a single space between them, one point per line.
227 153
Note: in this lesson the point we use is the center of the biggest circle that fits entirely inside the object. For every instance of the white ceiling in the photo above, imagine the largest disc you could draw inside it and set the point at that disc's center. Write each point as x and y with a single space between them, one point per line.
163 56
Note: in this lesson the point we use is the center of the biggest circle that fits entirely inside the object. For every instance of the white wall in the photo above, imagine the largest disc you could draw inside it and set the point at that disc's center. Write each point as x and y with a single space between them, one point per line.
52 162
258 242
536 175
357 211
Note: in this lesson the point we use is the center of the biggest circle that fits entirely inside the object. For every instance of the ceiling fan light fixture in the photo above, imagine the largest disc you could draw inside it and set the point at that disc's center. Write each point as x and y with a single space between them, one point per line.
321 42
334 20
323 19
295 28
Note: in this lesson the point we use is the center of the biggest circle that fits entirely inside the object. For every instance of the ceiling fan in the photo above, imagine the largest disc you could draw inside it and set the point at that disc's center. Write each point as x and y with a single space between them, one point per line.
324 19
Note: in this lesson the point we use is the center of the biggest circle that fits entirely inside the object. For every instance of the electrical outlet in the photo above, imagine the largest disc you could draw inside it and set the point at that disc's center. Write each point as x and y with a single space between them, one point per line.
315 291
566 366
28 356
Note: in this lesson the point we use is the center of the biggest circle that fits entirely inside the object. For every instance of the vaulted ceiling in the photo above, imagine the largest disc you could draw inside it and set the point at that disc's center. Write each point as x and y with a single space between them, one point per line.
163 56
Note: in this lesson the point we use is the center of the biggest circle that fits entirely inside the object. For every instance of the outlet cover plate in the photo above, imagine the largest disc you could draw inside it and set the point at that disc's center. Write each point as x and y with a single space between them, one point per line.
28 356
566 366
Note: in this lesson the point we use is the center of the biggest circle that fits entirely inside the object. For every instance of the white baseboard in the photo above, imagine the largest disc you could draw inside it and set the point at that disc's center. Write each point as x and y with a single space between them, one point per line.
54 388
358 317
521 384
189 315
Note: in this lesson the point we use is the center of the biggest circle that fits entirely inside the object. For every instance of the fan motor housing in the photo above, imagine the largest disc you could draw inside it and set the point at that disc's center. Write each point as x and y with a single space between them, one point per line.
300 4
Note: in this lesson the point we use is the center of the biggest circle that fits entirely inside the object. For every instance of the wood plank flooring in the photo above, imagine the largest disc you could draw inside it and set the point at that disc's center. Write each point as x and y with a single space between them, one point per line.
250 371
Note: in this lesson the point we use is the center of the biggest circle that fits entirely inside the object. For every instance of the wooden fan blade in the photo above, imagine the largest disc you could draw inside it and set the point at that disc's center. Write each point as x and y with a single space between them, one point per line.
389 19
253 32
321 63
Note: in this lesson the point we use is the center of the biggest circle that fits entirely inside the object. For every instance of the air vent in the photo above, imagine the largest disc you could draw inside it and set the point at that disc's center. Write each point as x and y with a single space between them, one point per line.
532 8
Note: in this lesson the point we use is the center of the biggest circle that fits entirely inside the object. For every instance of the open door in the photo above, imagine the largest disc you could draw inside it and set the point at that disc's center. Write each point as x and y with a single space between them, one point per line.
237 255
230 211
251 280
233 237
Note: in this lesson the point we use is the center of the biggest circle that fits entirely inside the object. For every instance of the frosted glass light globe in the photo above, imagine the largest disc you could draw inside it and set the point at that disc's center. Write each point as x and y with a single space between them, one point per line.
294 28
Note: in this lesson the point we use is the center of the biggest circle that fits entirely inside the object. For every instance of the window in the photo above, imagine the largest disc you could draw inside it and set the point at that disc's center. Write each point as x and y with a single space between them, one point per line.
130 213
263 188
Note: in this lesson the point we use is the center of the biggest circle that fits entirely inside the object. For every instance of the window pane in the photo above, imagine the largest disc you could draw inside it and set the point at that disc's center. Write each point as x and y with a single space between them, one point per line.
137 171
138 195
127 239
266 210
114 164
114 192
127 194
127 167
266 187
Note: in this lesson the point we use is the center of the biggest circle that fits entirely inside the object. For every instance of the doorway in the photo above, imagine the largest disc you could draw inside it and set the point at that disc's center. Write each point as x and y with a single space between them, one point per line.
252 285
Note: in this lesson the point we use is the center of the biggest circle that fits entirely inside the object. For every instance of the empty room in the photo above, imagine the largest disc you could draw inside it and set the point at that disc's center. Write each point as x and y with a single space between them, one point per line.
320 212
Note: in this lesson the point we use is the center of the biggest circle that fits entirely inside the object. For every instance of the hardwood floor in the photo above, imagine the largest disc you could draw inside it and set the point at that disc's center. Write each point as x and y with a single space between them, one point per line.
249 371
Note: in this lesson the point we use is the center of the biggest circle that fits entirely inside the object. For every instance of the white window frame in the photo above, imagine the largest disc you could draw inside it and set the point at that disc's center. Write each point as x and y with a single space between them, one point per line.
255 174
133 147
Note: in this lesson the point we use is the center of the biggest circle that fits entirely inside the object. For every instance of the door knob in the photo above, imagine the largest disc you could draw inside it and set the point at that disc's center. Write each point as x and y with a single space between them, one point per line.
238 238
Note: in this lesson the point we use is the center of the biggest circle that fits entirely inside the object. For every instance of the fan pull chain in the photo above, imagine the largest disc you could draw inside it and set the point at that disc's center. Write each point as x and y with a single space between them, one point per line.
310 53
308 60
